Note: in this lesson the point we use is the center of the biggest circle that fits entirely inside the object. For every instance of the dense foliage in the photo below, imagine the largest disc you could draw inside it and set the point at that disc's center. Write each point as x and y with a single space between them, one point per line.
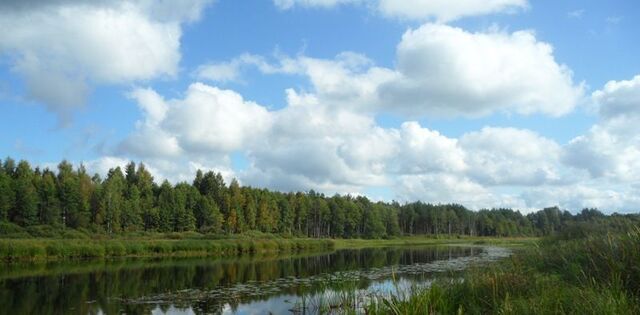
130 200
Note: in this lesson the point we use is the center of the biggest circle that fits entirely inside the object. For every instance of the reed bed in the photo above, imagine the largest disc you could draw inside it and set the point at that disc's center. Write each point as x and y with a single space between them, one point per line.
596 274
50 249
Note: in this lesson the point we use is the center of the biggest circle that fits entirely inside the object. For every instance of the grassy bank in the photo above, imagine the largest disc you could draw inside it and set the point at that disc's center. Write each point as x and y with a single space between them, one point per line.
49 249
195 244
435 240
599 274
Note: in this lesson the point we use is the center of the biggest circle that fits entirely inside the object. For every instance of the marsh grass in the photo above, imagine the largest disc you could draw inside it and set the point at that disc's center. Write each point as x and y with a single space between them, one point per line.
595 273
598 274
49 249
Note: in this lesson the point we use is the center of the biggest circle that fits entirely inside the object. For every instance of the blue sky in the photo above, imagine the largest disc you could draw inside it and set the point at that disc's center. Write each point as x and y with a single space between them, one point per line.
512 103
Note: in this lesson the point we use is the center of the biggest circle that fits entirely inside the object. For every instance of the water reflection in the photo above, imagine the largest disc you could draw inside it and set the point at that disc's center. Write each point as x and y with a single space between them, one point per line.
249 285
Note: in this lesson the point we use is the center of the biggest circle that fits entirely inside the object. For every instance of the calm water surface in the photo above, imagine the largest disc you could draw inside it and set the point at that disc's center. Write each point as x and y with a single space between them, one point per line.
247 285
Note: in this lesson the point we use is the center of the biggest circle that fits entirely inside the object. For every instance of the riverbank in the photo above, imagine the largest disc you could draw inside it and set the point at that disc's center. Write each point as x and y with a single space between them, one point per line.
193 244
597 274
428 240
49 249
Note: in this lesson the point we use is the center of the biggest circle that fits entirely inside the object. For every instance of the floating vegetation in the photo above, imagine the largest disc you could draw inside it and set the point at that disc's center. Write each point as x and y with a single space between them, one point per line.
326 292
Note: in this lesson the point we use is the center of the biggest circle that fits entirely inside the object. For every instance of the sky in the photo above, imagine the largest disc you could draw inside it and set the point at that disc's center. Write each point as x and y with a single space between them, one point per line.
487 103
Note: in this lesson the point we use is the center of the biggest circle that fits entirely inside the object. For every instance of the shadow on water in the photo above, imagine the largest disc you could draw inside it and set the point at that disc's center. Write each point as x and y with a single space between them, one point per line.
247 285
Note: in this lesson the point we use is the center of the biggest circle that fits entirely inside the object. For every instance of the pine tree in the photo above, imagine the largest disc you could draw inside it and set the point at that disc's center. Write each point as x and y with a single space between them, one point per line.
250 212
6 195
68 194
131 219
208 216
237 203
25 210
287 215
263 220
183 211
49 206
145 186
166 207
86 188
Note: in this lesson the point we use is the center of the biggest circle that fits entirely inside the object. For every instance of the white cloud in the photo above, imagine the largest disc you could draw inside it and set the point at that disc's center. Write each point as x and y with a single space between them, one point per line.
311 145
101 166
439 10
316 146
424 151
350 80
441 71
149 140
211 119
449 188
611 148
619 98
76 44
576 14
509 156
231 71
446 10
288 4
172 170
580 196
207 120
448 71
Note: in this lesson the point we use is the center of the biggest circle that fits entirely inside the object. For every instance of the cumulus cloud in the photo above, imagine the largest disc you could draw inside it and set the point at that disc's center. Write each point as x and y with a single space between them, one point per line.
232 70
448 71
207 120
580 196
619 99
312 145
509 156
288 4
445 10
316 146
611 148
441 71
450 188
425 151
439 10
63 48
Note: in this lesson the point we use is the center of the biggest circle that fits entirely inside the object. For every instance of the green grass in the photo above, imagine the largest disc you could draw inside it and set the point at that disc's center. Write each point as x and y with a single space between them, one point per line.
599 274
433 240
50 249
48 243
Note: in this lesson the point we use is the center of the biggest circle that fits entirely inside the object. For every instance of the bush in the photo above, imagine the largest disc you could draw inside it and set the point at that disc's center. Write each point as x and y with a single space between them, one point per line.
74 234
45 231
10 230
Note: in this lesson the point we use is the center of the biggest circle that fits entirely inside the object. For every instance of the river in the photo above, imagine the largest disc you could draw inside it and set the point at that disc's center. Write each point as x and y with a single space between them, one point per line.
256 284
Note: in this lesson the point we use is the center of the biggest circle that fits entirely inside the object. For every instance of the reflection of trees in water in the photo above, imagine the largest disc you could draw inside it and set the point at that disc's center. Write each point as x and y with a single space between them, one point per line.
103 285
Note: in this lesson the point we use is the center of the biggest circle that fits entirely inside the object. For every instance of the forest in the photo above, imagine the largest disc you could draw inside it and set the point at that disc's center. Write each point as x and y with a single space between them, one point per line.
130 201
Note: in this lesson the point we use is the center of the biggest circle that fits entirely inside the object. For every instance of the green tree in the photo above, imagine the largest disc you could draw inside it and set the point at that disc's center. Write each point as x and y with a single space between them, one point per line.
113 200
251 211
184 207
25 210
7 196
264 215
145 185
130 217
237 204
166 207
68 194
208 216
287 215
49 206
373 225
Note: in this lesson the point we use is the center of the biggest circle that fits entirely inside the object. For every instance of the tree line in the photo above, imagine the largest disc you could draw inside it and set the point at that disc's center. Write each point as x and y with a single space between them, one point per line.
131 200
